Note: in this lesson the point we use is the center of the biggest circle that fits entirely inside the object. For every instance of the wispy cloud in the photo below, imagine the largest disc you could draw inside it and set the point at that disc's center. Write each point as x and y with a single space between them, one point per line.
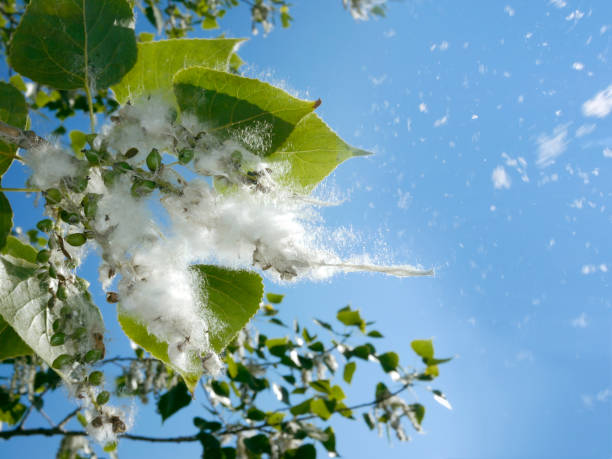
500 178
600 105
580 321
550 147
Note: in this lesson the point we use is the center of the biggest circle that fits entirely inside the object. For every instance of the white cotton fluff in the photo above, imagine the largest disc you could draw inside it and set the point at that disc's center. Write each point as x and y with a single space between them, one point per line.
50 164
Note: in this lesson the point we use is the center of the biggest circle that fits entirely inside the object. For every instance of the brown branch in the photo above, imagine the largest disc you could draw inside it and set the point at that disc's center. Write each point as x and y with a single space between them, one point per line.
182 439
19 137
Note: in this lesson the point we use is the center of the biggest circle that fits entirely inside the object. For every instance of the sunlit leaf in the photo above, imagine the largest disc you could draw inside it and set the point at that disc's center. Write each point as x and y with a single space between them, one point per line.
176 398
158 61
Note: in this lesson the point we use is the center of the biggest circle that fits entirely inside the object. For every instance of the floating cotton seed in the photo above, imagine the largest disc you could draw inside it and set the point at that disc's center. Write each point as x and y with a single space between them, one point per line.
95 378
185 155
53 196
131 152
102 397
96 422
112 297
62 361
93 356
76 239
57 339
45 225
154 160
43 256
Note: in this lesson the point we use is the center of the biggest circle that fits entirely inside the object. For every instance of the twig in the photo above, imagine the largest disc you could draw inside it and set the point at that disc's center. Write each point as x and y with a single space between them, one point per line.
19 137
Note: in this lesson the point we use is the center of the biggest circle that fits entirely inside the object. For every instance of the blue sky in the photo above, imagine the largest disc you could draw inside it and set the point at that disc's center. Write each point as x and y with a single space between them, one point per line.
491 166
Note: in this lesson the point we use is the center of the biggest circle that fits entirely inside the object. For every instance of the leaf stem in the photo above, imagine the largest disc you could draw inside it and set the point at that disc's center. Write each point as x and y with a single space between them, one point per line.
22 190
92 117
8 155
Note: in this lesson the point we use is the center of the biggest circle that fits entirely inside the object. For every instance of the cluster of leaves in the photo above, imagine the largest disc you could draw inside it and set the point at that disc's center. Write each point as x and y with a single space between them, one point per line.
49 324
305 371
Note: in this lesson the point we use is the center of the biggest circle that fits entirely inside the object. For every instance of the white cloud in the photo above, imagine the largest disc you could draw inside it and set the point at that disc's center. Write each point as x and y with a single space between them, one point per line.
585 129
550 147
580 321
441 122
500 178
600 105
558 3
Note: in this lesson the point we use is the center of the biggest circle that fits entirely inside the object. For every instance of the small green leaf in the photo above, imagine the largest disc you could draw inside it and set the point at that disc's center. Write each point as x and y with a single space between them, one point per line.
62 361
6 220
423 347
95 378
176 398
258 444
18 82
330 443
306 451
318 407
210 23
301 408
375 334
185 155
93 355
351 318
255 414
15 248
419 412
220 388
85 44
78 140
275 298
389 361
57 339
349 370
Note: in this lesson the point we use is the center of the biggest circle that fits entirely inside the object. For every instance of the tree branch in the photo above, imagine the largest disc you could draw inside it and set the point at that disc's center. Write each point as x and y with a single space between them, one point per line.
19 137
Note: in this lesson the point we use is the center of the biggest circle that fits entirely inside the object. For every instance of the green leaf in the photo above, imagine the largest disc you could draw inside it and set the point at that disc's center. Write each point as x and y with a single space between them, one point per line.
259 444
6 220
423 348
274 298
301 408
369 420
11 345
176 398
13 111
11 410
389 361
257 115
419 412
349 369
330 443
138 333
351 318
70 44
312 152
78 140
318 407
23 304
232 298
158 61
307 451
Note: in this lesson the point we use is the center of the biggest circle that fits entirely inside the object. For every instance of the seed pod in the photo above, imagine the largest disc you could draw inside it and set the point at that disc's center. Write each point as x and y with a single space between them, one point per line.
43 256
99 343
90 204
93 356
95 378
154 160
45 225
62 361
62 294
57 339
108 177
57 325
76 239
77 184
79 333
52 272
185 155
70 217
112 297
53 196
103 397
92 157
142 187
122 166
131 152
